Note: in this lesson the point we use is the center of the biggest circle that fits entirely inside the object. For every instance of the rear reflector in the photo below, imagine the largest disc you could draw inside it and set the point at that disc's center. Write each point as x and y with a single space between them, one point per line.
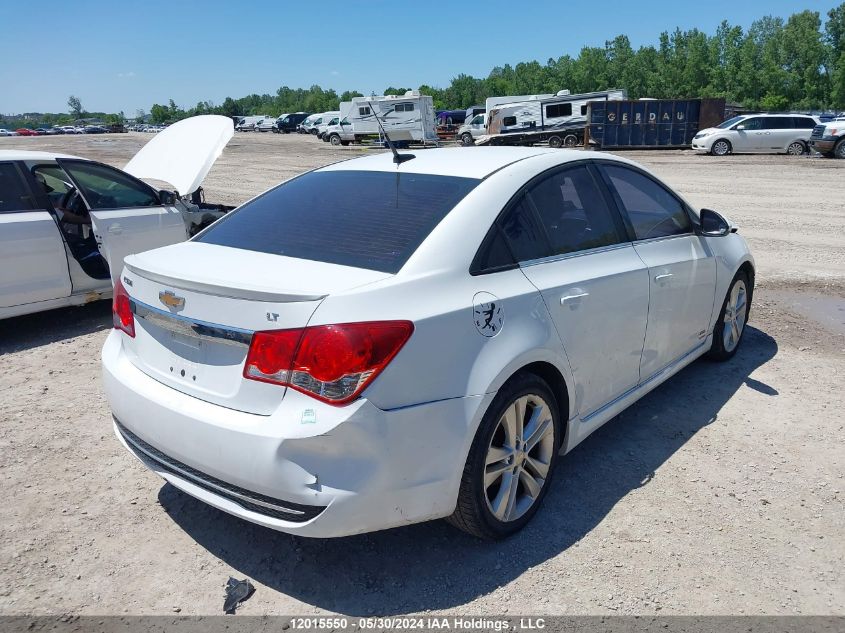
333 363
121 310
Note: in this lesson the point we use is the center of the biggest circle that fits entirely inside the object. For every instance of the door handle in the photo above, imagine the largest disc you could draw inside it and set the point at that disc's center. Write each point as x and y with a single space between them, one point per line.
662 277
566 298
115 229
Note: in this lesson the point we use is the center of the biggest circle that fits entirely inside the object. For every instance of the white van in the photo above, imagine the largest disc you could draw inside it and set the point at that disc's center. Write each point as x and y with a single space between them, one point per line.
247 123
759 133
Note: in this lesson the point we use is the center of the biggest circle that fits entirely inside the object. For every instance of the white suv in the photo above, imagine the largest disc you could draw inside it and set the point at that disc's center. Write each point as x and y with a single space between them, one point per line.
762 133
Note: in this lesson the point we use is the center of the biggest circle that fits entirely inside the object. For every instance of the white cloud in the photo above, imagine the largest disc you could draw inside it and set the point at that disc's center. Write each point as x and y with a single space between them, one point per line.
129 74
335 73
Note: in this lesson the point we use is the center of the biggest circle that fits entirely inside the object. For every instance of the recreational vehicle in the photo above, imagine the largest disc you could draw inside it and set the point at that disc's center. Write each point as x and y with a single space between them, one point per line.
559 119
408 117
559 111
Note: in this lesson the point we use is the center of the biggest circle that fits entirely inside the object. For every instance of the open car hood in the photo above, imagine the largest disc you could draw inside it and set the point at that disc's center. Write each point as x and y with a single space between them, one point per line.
183 154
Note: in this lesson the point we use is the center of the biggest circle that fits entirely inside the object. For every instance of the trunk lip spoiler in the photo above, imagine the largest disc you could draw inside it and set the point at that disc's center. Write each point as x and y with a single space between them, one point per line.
211 288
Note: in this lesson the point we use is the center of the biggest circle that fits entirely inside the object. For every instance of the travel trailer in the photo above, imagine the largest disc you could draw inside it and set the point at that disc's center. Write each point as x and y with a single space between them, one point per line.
543 112
408 117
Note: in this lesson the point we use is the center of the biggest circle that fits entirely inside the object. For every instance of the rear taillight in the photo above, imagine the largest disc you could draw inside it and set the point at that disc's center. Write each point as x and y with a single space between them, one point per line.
121 310
333 363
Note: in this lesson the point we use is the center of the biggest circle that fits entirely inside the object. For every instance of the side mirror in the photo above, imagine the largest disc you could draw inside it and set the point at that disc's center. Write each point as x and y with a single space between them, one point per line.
167 197
740 127
713 224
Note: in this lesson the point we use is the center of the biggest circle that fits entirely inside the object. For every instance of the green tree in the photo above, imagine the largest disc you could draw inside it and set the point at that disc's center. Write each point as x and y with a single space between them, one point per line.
75 106
159 113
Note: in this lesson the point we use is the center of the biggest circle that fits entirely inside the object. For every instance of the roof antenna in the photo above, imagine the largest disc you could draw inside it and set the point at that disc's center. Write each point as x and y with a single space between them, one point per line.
397 157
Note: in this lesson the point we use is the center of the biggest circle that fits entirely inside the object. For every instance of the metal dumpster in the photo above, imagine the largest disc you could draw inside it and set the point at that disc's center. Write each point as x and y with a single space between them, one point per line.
664 123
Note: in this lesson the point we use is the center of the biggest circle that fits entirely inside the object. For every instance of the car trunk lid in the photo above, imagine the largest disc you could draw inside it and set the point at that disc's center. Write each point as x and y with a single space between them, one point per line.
197 305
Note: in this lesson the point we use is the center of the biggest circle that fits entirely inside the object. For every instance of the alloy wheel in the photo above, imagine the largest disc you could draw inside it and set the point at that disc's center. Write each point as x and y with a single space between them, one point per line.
721 148
519 457
735 314
795 149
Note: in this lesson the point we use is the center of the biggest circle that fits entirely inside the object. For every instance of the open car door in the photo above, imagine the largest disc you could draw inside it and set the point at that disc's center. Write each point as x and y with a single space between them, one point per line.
127 215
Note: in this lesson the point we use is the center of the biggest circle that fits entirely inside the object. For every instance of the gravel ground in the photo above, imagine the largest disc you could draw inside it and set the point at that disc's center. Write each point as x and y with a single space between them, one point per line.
719 493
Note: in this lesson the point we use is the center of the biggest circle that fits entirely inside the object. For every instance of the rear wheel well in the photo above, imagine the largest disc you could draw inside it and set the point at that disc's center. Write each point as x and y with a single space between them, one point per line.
554 379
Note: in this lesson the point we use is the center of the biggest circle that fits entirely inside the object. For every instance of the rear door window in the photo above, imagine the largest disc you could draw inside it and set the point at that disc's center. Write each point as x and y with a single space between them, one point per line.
803 123
14 194
365 219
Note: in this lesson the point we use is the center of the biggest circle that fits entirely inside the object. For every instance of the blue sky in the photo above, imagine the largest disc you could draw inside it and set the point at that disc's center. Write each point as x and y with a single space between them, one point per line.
124 55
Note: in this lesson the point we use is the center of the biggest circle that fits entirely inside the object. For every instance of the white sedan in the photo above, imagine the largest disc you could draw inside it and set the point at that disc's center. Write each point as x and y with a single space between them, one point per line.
374 344
66 223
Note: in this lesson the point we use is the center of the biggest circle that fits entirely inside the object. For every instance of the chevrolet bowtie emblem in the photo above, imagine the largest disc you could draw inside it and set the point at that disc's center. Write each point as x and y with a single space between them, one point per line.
169 298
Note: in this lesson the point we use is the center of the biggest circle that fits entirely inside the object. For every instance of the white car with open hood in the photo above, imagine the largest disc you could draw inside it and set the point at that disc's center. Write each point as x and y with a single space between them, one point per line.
66 223
378 343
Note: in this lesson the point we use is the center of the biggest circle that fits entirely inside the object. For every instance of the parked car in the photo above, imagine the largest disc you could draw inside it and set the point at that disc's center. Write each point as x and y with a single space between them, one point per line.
247 123
5 132
288 123
48 259
40 131
25 131
95 129
265 125
829 138
327 121
767 133
341 133
471 130
305 126
384 341
318 120
55 130
69 129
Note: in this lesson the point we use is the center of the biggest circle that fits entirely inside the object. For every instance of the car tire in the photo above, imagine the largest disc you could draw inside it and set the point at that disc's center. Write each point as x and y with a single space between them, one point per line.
467 140
721 147
839 150
555 141
796 148
334 139
495 498
730 326
570 140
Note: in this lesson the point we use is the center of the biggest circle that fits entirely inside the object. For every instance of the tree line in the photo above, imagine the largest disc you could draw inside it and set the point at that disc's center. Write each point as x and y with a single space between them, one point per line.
776 64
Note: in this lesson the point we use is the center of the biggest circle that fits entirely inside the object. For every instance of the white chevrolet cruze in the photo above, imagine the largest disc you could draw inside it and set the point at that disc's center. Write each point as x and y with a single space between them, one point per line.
374 344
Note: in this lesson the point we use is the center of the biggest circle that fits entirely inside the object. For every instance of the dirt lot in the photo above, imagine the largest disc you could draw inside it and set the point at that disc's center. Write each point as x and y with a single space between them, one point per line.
721 492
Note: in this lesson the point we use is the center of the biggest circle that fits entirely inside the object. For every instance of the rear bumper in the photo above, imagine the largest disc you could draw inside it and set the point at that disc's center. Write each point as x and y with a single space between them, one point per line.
309 468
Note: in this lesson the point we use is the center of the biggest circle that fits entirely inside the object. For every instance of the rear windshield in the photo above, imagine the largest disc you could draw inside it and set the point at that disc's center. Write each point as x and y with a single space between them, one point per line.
365 219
